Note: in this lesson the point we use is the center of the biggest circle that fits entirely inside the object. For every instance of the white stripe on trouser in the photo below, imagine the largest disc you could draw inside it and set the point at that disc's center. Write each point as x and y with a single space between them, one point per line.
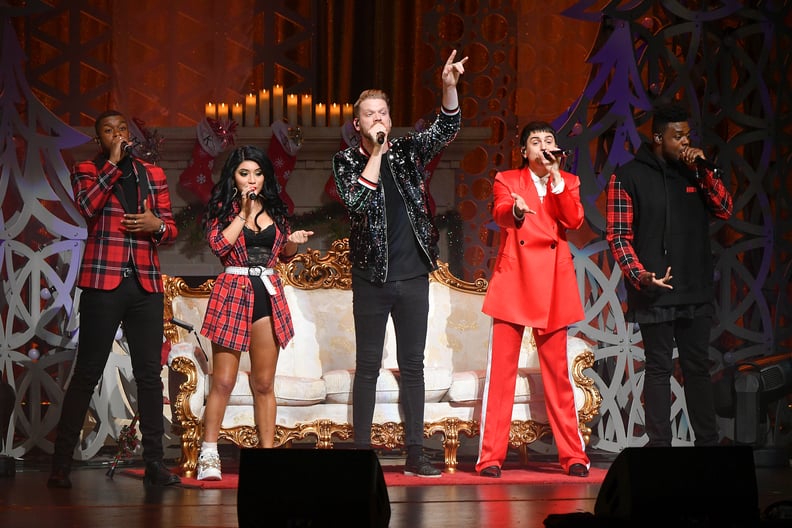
482 422
257 271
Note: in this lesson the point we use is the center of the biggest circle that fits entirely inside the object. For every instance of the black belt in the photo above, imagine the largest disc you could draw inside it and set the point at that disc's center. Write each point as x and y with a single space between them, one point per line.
127 272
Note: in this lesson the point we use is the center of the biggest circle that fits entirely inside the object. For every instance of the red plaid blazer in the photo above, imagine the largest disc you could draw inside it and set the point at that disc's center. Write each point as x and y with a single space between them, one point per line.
108 247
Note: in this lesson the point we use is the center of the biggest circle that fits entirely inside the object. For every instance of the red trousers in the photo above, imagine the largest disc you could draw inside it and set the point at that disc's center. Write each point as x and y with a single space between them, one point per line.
496 408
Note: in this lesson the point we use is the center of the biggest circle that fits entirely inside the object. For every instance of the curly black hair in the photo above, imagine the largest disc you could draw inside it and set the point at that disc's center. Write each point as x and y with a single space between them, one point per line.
668 113
225 193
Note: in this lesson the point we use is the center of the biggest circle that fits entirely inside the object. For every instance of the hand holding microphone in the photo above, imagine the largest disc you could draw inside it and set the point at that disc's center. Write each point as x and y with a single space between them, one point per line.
695 156
381 137
558 154
252 195
128 146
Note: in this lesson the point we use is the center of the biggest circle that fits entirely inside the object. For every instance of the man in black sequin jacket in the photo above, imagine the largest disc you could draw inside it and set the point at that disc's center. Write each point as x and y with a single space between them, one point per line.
365 200
393 247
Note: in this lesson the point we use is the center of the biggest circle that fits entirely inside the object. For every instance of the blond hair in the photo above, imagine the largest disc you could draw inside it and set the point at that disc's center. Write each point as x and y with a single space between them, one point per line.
369 94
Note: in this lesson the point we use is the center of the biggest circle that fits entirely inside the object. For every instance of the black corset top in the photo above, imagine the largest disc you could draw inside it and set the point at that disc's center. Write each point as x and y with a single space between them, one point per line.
259 245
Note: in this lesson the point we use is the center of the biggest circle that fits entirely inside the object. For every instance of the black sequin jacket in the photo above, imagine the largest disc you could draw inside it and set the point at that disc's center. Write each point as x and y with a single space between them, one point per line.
407 156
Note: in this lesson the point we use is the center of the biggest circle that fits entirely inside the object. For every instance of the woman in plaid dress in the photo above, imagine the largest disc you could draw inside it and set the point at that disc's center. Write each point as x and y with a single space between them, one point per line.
247 229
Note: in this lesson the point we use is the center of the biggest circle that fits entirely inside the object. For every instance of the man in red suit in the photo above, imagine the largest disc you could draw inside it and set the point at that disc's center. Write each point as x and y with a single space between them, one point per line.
533 285
127 208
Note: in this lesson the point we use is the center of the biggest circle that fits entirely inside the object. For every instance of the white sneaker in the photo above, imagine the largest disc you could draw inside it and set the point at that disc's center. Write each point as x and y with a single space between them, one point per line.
209 467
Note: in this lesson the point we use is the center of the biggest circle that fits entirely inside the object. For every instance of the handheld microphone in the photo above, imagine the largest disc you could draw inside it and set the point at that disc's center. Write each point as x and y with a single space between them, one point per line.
128 146
380 137
252 196
706 164
182 324
559 153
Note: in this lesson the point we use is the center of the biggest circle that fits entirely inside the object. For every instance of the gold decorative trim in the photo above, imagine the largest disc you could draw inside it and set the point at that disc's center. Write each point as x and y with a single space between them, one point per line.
322 430
451 428
185 423
444 276
312 270
174 287
388 434
593 398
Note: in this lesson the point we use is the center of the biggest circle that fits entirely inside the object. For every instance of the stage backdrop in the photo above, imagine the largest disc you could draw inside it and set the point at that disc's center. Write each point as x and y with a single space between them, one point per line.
593 71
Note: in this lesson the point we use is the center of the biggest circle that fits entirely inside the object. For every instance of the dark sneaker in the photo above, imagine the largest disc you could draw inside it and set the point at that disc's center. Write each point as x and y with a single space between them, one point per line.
158 475
420 467
59 478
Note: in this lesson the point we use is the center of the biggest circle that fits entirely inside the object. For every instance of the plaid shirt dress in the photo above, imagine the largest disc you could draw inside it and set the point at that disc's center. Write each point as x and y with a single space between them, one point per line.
228 314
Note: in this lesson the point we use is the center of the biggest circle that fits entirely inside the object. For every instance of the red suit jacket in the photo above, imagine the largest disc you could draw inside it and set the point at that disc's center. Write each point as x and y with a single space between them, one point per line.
534 283
108 248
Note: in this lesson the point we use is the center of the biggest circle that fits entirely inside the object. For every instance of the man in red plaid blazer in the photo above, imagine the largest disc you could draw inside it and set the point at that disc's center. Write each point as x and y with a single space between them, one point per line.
127 207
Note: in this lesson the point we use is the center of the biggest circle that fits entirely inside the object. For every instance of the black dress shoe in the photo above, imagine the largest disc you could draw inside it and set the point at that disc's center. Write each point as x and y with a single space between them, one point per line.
421 467
158 475
578 470
491 472
59 478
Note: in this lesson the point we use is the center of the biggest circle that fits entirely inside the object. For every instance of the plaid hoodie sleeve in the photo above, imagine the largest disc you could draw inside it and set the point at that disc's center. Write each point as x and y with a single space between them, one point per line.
719 201
619 231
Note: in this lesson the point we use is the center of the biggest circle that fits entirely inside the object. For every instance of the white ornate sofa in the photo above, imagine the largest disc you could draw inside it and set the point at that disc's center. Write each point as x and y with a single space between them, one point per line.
314 376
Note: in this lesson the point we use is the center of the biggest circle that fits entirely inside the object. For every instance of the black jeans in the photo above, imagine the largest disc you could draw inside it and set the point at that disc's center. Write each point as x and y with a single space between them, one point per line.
100 314
692 338
407 302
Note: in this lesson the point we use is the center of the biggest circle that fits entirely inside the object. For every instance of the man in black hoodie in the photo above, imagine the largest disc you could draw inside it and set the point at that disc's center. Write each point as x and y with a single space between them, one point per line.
658 215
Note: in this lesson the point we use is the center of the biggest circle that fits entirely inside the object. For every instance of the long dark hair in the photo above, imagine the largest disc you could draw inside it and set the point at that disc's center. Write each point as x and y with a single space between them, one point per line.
225 194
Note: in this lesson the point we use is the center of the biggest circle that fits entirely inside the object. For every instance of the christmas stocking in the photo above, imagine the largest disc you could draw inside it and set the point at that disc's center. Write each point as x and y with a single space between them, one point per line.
195 183
282 152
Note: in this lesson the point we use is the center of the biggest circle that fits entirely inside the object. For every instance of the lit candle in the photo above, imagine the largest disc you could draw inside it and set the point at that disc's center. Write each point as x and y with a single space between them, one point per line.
320 115
335 115
236 113
305 102
250 110
264 108
222 111
211 111
277 103
291 109
346 112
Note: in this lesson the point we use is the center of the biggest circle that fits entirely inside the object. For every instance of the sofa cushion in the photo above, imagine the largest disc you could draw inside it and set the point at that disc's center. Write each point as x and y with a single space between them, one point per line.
294 391
468 386
338 384
289 390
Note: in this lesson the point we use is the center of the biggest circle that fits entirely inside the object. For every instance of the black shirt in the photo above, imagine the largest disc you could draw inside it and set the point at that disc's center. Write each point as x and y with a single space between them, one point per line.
406 259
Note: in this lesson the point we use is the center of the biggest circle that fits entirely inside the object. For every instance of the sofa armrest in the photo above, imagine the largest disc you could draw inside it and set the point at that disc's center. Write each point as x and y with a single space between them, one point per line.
188 381
587 397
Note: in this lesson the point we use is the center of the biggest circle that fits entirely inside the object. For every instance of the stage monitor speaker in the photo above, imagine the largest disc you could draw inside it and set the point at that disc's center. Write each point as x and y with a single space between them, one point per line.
311 488
681 486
